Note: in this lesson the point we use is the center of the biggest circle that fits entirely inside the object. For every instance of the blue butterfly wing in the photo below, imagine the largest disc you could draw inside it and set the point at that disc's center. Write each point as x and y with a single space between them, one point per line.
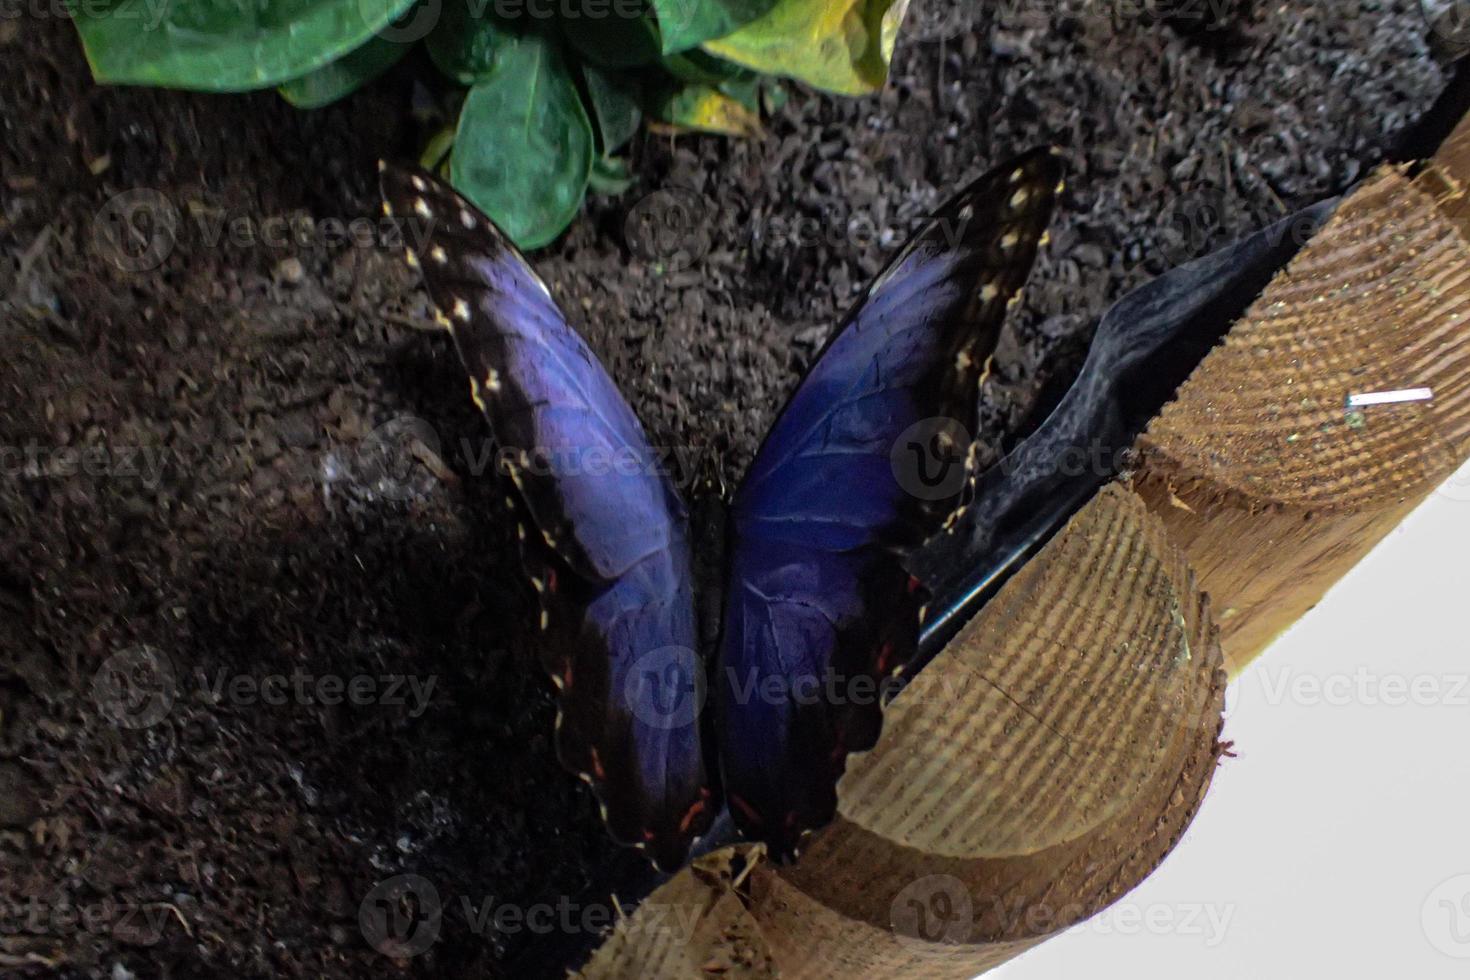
820 609
608 543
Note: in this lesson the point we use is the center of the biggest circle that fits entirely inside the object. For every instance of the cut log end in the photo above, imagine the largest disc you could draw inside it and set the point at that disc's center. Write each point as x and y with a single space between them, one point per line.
1063 759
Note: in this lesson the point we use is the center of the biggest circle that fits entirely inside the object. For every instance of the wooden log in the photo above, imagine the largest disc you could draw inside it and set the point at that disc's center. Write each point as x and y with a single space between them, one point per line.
1038 769
1055 751
1272 483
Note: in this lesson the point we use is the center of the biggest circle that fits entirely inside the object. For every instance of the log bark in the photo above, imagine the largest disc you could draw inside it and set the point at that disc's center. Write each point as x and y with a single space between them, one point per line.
1272 483
1054 754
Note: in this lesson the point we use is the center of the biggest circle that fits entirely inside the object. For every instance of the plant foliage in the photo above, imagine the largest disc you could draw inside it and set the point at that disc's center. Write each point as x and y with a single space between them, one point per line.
553 89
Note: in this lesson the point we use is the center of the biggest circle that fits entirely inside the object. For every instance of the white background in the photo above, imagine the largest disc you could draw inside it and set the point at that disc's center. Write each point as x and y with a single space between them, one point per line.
1338 843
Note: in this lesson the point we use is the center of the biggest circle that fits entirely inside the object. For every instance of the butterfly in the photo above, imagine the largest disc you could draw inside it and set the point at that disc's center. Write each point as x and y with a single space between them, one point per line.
819 610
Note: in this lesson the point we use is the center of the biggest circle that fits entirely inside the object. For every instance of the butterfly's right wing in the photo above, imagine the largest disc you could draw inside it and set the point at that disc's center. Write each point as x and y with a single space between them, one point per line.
821 612
614 575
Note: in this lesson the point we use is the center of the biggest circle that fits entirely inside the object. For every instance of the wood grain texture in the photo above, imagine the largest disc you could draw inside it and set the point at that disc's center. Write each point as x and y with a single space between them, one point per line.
1271 483
1063 745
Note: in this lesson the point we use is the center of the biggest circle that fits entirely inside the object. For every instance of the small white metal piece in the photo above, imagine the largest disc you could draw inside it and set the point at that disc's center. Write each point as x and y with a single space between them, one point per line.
1365 399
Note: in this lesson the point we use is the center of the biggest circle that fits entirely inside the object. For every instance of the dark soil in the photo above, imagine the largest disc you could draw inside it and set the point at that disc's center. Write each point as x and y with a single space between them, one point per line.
247 462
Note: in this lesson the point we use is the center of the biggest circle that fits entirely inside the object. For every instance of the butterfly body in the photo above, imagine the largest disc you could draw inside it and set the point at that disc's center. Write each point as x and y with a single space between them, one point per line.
817 606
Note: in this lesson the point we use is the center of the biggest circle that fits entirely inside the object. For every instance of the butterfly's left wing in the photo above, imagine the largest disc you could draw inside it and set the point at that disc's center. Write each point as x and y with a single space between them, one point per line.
866 460
607 545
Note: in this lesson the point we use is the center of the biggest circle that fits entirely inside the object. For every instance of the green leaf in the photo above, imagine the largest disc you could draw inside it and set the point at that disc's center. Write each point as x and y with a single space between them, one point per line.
610 175
603 32
345 75
703 68
463 42
746 91
436 150
615 106
523 149
224 45
687 23
709 110
842 46
774 96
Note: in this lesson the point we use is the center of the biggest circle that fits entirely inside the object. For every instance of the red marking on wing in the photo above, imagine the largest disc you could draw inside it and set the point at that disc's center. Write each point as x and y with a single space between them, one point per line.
746 809
695 810
885 654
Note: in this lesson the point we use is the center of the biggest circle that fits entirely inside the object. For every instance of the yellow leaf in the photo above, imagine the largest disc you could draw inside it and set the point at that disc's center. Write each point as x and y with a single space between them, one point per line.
842 46
711 111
